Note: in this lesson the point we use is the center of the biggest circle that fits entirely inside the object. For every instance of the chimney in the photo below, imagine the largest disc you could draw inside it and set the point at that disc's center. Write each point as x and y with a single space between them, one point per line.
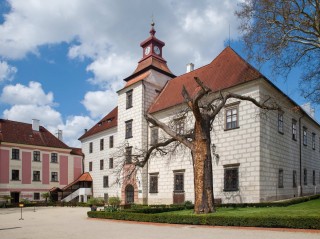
35 124
190 67
59 134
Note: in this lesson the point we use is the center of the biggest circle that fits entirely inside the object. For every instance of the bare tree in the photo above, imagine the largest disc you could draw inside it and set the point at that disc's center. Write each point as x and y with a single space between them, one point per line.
205 105
287 34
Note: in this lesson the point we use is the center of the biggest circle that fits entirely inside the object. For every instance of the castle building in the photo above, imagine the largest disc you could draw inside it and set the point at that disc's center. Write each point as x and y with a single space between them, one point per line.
33 161
258 156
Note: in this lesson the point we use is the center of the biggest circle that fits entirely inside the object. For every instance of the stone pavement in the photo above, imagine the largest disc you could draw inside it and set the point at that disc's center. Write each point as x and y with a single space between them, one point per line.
70 222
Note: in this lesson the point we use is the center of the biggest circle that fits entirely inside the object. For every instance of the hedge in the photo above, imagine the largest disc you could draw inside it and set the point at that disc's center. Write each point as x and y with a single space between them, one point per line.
310 222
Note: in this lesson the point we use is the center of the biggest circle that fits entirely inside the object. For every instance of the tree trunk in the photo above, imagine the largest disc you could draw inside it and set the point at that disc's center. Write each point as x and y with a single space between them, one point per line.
202 166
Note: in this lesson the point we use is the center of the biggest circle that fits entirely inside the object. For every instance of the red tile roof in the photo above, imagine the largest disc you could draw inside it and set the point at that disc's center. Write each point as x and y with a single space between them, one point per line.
76 151
85 177
22 133
226 70
109 121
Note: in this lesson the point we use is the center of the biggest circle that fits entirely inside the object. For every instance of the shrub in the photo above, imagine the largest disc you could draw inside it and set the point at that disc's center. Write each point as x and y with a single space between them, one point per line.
114 202
96 201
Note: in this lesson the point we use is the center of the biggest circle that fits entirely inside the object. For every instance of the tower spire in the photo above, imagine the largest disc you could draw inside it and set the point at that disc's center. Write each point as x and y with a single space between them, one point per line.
152 31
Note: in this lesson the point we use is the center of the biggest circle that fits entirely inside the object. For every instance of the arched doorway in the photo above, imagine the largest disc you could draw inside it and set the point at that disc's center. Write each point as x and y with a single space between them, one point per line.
129 194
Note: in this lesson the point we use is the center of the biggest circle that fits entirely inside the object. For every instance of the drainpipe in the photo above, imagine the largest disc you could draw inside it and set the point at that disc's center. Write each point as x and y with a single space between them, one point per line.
300 156
147 147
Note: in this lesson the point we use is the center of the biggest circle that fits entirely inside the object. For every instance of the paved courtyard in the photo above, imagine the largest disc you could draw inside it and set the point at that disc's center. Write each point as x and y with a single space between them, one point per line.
67 222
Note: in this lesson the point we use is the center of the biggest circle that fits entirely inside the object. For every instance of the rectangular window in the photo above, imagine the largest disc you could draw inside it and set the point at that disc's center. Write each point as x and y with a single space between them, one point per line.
36 175
294 129
154 135
280 122
231 179
294 179
101 164
15 154
179 126
314 177
280 178
153 186
129 95
313 141
111 141
15 175
128 155
305 136
105 181
232 118
90 147
90 166
54 176
179 182
128 129
110 163
101 144
36 156
54 158
305 177
36 196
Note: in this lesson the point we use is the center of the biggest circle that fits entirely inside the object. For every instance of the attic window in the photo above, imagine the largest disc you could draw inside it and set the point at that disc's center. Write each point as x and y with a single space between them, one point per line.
109 120
100 123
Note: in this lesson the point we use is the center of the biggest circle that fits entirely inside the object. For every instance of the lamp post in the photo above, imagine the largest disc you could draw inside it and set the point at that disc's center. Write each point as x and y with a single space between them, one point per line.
21 206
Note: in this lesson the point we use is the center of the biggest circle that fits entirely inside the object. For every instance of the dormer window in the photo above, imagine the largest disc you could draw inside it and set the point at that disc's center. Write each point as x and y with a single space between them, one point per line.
129 99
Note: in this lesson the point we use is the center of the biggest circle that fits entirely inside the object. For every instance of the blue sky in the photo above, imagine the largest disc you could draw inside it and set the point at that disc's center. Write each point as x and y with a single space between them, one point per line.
63 62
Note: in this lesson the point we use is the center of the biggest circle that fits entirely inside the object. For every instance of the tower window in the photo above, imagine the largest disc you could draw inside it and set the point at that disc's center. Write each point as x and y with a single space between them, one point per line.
101 144
128 129
129 95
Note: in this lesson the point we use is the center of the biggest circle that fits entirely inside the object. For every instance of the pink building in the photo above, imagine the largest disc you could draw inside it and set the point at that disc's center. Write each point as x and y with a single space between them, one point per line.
33 161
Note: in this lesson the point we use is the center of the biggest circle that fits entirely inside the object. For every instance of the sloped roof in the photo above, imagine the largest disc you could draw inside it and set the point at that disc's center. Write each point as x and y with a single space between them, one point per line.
109 121
22 133
76 151
226 70
85 177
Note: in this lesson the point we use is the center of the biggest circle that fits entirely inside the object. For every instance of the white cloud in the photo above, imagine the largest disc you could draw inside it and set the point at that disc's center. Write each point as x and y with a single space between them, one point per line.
32 94
25 113
7 72
73 128
99 103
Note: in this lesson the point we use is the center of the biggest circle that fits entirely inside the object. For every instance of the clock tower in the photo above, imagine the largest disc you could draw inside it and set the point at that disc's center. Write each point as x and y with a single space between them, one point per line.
151 57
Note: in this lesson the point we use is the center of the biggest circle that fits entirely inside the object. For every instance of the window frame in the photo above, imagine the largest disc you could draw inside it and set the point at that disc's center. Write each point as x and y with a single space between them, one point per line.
305 136
153 182
178 187
129 99
54 156
280 178
35 198
280 122
154 139
15 175
90 166
101 144
128 156
90 147
294 178
15 154
230 185
111 141
36 156
105 181
101 164
110 163
313 141
228 108
36 176
54 177
294 129
128 129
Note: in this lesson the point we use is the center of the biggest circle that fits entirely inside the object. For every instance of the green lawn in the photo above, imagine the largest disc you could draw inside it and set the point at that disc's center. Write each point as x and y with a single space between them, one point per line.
310 208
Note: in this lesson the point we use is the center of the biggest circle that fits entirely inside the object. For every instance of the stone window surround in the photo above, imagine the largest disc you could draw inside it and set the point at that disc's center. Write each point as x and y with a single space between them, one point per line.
15 175
178 180
36 196
90 147
90 166
54 177
110 163
129 99
101 164
54 158
128 128
36 176
231 167
227 108
36 156
101 144
105 181
111 138
15 154
153 182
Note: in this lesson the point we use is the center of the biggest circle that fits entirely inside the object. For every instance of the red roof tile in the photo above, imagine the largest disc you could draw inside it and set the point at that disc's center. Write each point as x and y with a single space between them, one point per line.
226 70
109 121
85 177
76 151
22 133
